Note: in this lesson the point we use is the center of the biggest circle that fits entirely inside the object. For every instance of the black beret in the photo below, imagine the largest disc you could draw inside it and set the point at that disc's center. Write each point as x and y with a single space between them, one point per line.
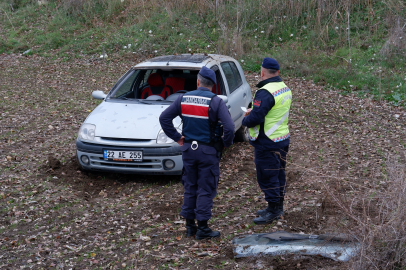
270 63
208 74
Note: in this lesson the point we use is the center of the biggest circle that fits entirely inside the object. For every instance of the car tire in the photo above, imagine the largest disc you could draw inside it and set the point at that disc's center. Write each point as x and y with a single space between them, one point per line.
242 134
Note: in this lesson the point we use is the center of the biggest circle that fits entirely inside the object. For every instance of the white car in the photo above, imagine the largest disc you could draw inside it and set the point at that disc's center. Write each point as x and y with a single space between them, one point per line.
123 133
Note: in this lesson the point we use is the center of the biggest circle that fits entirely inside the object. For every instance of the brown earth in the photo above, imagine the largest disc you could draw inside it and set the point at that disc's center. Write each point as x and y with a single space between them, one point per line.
53 215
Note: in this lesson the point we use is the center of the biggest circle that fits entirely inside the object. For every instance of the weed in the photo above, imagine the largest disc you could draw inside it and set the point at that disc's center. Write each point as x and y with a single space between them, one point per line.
379 220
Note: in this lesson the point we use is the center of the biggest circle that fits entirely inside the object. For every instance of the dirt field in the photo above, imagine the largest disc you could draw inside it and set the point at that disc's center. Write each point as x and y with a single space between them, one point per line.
54 216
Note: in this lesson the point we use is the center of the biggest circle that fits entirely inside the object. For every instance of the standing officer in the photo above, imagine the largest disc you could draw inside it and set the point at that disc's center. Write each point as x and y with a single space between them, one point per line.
269 134
200 110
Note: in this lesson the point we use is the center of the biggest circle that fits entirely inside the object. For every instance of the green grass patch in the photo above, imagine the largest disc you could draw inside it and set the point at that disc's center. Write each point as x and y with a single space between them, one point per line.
352 49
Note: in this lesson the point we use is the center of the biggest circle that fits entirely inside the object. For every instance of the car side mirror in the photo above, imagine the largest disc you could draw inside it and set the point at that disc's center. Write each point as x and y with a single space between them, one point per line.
224 98
99 94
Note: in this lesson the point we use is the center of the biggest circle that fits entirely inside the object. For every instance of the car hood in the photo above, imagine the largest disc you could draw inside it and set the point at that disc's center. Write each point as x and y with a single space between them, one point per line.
128 120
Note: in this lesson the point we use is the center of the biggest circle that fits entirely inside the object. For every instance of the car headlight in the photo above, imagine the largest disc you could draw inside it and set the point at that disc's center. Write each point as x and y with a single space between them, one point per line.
86 132
162 138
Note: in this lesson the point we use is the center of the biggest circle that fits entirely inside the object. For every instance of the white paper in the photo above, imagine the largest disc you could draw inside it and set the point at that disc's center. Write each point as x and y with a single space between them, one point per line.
244 109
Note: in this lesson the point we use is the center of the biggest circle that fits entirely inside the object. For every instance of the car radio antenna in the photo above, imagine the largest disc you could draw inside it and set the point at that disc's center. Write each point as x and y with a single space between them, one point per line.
170 58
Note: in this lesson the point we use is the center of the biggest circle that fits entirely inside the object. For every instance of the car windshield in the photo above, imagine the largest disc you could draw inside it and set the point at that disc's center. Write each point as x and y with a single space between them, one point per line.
158 85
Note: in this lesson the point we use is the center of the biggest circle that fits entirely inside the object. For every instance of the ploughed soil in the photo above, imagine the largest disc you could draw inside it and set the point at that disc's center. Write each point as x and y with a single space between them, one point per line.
53 215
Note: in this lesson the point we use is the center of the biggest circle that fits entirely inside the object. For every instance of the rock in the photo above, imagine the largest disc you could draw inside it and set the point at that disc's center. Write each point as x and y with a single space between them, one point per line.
259 265
53 162
145 238
27 52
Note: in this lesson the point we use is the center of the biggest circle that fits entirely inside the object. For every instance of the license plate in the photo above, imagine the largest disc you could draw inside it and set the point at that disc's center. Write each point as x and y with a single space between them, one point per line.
123 155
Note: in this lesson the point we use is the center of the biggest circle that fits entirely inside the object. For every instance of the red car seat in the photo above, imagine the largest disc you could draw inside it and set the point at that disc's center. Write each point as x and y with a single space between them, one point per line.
216 89
155 85
173 85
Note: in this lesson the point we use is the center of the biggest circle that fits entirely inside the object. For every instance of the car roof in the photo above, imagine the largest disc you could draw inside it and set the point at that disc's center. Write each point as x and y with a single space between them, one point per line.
196 61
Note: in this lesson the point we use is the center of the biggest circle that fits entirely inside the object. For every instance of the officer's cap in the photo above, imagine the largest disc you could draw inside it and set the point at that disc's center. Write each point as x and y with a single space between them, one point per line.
270 63
208 74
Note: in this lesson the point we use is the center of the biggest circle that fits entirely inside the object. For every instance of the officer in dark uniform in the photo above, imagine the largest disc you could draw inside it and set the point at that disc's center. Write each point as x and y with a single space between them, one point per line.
200 110
269 134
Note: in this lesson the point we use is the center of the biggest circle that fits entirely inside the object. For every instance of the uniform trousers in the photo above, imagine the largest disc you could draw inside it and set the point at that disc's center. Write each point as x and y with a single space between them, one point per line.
200 179
270 166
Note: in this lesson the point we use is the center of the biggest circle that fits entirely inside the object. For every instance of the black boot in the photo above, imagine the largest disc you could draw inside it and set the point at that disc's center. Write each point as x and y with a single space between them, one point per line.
203 231
191 227
280 206
272 213
266 210
262 212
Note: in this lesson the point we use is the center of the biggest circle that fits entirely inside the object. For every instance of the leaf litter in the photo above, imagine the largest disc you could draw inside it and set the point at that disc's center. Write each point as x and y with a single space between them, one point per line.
55 215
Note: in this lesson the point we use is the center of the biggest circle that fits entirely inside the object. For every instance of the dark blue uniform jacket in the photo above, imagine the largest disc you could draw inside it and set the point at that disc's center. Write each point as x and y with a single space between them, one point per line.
263 103
218 112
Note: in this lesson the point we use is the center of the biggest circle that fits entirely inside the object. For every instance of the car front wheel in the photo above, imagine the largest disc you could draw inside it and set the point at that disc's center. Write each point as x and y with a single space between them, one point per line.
242 134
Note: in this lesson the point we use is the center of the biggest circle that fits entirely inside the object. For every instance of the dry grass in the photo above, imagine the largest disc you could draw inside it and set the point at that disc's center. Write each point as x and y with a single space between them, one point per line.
377 218
396 43
84 8
238 19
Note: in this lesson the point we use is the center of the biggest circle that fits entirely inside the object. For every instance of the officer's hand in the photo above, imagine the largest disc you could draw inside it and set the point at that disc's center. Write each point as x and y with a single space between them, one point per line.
247 112
181 141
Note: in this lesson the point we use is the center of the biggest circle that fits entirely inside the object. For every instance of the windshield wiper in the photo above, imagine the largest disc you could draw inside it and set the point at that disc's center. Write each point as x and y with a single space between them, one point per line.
143 102
126 98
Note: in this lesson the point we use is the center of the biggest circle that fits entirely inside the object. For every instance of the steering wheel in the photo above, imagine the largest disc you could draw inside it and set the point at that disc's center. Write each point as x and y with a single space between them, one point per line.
182 91
154 97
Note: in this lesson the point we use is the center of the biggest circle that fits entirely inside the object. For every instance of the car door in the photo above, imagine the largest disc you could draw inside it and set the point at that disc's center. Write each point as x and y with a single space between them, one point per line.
237 96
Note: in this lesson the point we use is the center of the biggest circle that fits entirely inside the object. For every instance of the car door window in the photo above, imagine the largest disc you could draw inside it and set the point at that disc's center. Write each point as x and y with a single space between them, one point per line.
236 73
233 80
218 88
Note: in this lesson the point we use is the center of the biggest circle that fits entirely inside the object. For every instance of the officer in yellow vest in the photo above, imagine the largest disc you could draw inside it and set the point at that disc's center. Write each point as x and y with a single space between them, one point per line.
269 134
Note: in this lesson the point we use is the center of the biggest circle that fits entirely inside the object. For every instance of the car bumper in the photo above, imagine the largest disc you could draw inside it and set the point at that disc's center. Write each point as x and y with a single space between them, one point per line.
152 162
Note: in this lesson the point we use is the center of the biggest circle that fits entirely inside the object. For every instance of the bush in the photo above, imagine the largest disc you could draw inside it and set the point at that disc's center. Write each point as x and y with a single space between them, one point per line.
88 9
379 219
16 4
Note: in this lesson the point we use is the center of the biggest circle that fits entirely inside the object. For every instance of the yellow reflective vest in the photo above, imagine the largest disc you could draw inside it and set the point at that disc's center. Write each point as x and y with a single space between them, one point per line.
276 121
